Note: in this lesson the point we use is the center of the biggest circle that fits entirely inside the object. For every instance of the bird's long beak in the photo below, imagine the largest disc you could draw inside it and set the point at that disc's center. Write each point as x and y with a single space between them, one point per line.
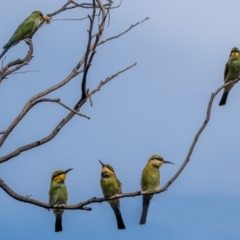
101 163
168 162
68 170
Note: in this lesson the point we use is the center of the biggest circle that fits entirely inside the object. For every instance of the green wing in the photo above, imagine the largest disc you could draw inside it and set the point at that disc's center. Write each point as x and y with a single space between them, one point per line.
119 185
22 31
226 71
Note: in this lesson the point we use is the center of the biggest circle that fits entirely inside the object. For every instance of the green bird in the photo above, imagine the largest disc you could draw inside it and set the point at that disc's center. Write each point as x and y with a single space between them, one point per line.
24 30
58 195
231 72
110 186
150 181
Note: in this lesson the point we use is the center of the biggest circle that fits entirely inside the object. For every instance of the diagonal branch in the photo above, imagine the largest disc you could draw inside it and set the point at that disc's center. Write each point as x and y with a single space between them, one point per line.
72 110
120 34
58 100
61 124
28 105
110 78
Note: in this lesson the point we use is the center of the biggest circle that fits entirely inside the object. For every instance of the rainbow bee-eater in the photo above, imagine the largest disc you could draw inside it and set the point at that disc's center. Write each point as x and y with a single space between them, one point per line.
231 72
24 30
110 186
58 195
150 181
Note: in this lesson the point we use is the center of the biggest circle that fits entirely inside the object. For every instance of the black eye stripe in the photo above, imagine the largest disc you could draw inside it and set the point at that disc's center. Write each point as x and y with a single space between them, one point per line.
58 174
158 159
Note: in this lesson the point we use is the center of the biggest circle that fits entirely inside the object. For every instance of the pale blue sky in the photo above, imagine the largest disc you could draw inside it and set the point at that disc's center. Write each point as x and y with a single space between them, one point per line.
156 107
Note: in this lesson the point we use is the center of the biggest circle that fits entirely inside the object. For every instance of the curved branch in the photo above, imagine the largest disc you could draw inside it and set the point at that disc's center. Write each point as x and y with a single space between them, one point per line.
82 205
208 115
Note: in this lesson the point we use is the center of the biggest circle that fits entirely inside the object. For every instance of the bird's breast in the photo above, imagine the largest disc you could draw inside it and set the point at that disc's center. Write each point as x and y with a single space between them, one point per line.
234 67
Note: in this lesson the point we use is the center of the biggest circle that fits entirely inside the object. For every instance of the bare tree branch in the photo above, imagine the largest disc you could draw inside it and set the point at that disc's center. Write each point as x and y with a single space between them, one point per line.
26 71
29 105
72 110
127 30
4 71
58 100
20 63
110 78
70 19
208 114
86 61
33 102
82 205
27 199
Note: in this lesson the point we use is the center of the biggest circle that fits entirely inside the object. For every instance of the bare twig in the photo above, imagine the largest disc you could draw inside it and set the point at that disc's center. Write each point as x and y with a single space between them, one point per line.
110 78
120 34
72 110
70 19
26 71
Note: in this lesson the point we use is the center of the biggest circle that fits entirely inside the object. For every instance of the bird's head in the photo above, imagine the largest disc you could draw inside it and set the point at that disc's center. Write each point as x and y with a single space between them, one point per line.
38 14
107 170
235 53
59 175
157 161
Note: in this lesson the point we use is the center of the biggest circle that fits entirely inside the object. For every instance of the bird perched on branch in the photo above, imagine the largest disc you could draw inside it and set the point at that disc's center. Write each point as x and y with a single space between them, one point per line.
24 30
110 186
231 72
150 181
58 195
